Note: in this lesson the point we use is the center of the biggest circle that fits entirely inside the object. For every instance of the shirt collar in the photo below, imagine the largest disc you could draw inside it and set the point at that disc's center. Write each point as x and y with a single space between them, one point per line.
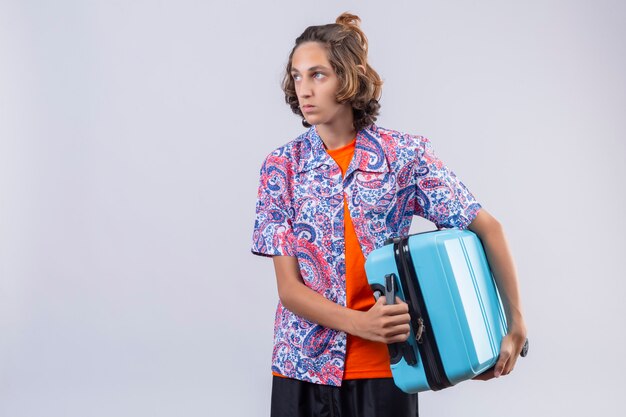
369 155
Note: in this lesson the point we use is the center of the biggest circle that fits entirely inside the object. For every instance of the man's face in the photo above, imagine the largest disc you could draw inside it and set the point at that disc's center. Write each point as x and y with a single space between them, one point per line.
316 84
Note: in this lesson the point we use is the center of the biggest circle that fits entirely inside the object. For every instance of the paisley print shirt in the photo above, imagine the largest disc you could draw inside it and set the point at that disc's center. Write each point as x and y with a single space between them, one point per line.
299 212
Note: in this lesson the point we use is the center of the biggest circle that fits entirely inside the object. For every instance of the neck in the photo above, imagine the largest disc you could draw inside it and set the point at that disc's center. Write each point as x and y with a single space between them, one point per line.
336 136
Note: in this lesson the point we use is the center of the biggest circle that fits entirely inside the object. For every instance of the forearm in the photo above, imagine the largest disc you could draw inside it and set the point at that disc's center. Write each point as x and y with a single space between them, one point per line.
314 307
309 304
491 234
381 323
505 274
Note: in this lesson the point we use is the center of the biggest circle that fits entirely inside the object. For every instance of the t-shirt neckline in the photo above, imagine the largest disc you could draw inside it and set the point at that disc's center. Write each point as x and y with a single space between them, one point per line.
342 148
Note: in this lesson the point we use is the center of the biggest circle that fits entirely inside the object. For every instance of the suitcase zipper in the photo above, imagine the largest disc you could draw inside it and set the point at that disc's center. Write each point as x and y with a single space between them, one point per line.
435 373
420 330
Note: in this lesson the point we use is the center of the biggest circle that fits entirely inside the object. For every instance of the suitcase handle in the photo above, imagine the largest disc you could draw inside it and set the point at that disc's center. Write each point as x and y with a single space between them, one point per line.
397 350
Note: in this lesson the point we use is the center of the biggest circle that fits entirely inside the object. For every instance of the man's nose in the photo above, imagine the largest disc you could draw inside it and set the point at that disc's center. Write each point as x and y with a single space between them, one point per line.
306 88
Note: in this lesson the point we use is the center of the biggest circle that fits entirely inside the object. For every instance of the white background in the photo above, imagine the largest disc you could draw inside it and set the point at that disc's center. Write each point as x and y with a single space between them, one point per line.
131 137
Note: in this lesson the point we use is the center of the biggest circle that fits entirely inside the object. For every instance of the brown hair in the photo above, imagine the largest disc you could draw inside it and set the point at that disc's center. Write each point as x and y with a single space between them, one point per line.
346 47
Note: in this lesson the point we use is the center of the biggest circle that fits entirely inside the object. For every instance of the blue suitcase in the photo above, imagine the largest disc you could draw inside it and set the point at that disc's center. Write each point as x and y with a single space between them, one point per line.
457 319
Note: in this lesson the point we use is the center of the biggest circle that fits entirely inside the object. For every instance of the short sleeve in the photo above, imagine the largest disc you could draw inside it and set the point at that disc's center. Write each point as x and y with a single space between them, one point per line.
273 231
441 196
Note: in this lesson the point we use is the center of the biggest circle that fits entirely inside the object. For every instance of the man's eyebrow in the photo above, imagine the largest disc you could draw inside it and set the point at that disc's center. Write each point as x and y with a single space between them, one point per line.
316 67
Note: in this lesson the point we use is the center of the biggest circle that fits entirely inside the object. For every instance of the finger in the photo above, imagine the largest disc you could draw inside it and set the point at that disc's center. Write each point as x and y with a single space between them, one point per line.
510 365
400 329
517 355
514 356
502 360
396 309
396 330
401 302
398 338
398 319
385 298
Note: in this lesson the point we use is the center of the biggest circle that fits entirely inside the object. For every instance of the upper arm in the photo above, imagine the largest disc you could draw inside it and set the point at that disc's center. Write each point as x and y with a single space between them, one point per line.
273 232
287 275
441 196
483 223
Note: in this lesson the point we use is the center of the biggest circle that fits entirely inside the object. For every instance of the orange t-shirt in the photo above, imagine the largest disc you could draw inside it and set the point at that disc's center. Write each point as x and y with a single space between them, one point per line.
364 358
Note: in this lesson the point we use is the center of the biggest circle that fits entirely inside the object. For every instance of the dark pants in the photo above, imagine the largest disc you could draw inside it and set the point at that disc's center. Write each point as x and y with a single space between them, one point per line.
355 398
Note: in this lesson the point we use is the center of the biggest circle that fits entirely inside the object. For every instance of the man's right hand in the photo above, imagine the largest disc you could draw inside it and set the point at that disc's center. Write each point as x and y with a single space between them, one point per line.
383 323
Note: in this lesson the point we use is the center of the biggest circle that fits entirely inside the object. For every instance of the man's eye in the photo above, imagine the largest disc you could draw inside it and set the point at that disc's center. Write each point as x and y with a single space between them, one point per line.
315 74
